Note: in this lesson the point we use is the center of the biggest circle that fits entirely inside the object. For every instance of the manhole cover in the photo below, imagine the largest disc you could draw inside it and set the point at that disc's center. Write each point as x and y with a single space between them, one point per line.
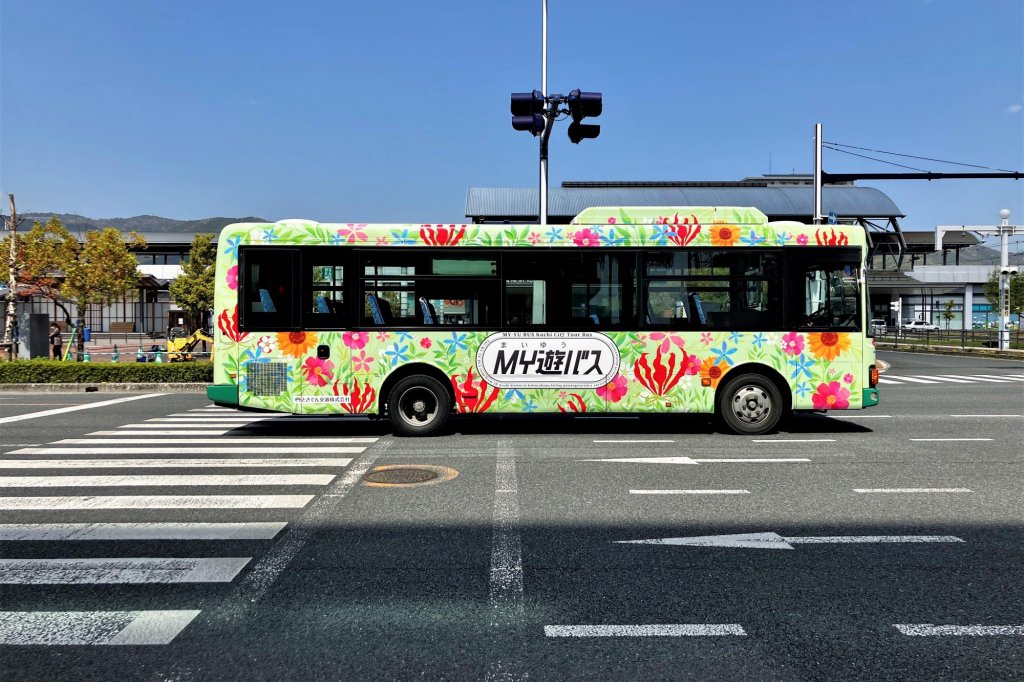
402 476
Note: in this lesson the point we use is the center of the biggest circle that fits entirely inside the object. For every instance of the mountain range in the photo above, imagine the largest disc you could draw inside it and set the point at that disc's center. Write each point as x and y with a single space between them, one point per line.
139 223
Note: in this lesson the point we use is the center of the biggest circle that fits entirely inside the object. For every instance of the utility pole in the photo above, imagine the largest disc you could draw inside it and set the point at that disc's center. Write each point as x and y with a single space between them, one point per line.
12 282
816 218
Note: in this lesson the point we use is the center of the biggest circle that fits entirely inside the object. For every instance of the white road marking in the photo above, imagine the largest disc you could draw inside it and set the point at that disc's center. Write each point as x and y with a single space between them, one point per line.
912 490
977 378
690 460
989 416
888 381
119 571
660 630
228 440
75 408
203 427
162 432
771 540
929 630
793 440
1001 377
68 628
946 379
915 380
689 492
165 480
172 463
127 449
258 530
214 422
634 441
506 578
860 416
155 502
948 440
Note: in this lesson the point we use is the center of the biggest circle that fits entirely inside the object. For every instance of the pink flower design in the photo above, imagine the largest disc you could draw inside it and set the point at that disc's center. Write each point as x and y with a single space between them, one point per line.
318 372
382 241
351 233
534 238
847 378
383 336
586 237
615 391
667 339
612 221
792 343
831 396
425 342
361 362
356 340
692 365
266 344
233 277
705 338
801 239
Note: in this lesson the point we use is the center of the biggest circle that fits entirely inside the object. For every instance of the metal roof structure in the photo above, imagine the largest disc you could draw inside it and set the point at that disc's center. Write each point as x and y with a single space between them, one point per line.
519 204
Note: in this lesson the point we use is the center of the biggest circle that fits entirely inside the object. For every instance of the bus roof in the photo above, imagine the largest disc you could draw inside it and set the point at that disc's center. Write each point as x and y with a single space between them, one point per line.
647 227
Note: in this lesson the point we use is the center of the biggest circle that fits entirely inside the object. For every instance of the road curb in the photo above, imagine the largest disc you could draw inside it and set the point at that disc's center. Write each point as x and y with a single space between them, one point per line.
104 387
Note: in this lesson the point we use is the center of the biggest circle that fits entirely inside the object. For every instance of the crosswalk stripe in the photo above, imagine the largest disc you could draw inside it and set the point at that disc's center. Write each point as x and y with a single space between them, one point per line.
218 420
68 628
48 532
211 428
255 440
134 571
84 502
164 480
209 417
948 379
1001 377
915 380
114 450
974 377
164 463
888 381
159 432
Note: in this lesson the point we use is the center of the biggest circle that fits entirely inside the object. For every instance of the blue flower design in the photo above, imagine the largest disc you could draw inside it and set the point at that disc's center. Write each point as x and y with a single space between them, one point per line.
735 337
270 236
783 238
802 389
759 340
402 238
397 354
514 394
529 406
232 247
801 365
722 354
661 233
554 234
610 239
752 239
336 239
456 343
404 336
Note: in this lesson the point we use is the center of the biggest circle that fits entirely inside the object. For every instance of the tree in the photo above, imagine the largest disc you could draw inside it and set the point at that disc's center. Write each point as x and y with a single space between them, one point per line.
98 269
947 314
192 290
1016 292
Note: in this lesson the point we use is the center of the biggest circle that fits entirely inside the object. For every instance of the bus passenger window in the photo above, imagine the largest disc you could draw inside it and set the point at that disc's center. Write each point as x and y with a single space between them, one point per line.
266 295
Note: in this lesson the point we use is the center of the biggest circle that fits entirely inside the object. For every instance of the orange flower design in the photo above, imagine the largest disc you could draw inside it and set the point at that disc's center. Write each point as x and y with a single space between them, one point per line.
710 370
724 235
828 345
296 344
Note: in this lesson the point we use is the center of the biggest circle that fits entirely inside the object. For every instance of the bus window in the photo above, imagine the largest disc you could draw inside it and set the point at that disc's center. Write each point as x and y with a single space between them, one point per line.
831 295
267 291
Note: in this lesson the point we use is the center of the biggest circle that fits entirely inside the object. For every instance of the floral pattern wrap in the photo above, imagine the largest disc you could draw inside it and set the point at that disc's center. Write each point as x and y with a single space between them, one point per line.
657 371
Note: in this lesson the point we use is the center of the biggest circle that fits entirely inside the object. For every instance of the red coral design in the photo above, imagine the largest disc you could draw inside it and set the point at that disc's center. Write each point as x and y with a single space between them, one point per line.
574 404
362 396
228 325
685 231
663 377
472 397
826 239
442 236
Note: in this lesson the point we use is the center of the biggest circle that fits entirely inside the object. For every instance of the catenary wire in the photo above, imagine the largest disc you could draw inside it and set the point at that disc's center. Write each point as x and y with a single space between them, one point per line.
911 156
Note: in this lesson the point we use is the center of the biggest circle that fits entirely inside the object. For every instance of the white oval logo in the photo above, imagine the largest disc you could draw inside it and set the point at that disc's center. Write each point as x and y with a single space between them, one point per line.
547 360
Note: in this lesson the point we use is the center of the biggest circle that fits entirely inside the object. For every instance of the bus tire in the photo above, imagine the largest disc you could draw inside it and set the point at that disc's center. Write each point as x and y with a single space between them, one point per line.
750 404
418 405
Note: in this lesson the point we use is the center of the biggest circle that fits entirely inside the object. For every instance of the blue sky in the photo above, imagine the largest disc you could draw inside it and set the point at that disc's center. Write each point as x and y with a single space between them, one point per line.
389 111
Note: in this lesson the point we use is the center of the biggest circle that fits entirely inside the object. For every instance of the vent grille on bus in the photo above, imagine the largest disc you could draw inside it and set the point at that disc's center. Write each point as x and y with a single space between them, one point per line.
268 378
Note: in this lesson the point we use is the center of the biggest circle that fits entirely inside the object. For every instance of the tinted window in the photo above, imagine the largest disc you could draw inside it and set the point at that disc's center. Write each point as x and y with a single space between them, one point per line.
267 290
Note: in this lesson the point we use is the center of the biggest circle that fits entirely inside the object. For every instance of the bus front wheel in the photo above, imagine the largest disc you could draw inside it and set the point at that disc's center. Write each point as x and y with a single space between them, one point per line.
750 404
418 406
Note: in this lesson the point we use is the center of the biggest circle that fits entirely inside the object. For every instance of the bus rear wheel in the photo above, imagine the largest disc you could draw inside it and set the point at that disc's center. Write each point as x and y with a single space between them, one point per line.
418 406
750 404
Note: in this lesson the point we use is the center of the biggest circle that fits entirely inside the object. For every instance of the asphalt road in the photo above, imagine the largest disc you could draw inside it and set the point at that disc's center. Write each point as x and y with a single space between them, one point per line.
883 544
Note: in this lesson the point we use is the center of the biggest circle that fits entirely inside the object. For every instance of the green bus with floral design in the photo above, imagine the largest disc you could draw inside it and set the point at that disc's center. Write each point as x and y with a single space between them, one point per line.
625 310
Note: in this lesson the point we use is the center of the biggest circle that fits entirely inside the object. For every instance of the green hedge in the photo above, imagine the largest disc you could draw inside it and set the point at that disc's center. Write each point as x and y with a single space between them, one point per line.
56 372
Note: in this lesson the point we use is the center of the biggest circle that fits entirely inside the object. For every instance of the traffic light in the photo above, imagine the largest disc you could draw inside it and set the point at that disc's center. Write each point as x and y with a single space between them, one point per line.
582 105
527 111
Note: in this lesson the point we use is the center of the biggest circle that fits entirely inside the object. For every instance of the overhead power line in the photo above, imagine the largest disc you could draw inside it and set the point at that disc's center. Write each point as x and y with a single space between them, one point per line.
871 158
911 156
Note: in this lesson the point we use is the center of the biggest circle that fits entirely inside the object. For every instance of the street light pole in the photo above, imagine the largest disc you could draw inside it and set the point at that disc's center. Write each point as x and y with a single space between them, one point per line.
548 120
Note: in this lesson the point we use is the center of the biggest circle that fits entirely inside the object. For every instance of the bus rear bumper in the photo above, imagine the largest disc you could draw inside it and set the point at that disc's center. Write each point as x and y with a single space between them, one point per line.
223 394
870 397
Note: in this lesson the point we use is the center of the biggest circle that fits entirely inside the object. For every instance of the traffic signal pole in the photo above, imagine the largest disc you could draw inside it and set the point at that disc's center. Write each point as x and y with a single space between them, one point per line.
548 122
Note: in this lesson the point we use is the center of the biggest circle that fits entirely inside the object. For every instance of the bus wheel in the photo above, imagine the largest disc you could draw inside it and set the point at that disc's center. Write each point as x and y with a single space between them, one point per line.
418 406
750 404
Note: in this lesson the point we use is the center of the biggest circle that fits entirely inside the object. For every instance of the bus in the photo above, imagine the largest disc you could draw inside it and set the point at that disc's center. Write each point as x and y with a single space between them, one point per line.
637 310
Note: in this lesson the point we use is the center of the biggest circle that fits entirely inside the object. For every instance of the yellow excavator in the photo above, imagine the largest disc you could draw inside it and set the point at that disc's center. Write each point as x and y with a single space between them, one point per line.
182 346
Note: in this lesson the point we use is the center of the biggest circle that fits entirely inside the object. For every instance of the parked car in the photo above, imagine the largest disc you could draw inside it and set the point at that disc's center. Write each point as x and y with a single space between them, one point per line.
878 326
920 326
